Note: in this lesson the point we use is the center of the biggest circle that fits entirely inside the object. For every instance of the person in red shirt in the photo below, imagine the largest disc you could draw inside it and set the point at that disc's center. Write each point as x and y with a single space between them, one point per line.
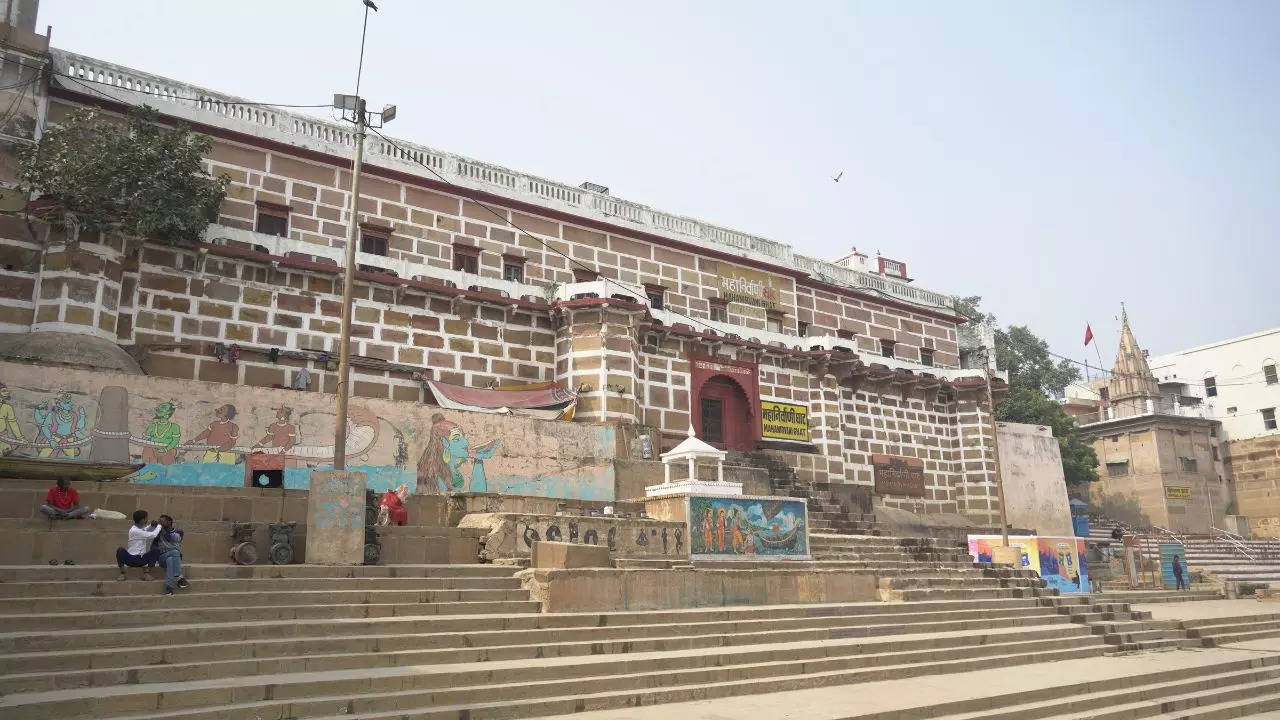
63 502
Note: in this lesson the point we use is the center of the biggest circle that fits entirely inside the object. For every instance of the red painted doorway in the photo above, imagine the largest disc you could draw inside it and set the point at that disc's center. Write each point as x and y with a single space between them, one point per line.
724 415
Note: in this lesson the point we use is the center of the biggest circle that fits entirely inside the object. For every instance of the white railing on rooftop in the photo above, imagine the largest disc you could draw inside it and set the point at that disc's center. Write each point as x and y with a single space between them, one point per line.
214 108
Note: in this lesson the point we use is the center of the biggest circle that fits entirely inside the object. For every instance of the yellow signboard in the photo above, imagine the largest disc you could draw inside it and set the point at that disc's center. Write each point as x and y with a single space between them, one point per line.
749 287
784 421
1174 492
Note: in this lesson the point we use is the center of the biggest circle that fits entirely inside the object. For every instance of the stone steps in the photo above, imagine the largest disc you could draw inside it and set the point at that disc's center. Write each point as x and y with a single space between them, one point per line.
112 588
1211 632
45 573
37 672
444 690
203 599
1223 691
172 614
245 631
464 641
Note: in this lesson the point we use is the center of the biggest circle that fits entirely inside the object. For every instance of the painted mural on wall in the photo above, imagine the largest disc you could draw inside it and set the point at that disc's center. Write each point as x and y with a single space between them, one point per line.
723 527
1061 561
194 433
448 451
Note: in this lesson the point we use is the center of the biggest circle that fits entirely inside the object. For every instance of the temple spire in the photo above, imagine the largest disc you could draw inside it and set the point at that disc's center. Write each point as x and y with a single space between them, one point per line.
1131 378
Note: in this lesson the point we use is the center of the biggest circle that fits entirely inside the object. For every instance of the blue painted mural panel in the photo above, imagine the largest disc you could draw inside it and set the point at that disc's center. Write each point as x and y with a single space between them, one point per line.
725 527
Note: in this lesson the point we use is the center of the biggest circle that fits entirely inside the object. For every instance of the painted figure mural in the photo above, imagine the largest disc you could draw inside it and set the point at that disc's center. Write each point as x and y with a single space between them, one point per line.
160 441
10 432
281 435
747 526
62 427
214 435
447 449
221 436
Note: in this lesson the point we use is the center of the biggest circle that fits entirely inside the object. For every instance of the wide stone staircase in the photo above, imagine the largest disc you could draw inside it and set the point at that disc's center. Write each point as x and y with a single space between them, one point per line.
464 641
1240 688
916 569
827 514
1217 631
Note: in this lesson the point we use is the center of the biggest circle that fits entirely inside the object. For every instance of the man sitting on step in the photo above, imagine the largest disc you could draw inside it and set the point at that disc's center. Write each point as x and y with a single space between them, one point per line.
62 502
168 548
138 552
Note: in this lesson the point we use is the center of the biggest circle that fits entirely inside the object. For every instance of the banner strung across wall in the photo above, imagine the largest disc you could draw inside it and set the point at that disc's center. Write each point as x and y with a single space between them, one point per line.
898 475
1175 492
784 421
1059 560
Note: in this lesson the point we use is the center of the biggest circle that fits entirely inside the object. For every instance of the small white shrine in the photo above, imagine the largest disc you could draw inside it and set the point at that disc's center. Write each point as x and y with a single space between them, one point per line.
691 453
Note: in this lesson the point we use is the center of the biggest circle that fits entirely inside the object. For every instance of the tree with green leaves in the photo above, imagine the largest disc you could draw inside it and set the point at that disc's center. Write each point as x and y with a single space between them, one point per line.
1034 376
136 176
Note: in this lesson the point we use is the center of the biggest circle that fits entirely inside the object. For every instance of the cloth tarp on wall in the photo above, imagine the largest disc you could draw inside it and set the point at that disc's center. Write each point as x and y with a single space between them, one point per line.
546 401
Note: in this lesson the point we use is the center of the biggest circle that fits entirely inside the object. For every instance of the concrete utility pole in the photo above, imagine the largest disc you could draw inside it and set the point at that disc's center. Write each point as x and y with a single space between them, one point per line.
356 105
348 282
995 446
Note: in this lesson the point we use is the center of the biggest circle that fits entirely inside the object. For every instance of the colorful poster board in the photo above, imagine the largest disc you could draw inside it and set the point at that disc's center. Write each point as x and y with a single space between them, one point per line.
1060 561
784 421
725 528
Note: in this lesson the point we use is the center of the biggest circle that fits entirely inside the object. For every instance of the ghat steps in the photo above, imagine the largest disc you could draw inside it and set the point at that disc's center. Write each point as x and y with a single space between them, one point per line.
418 641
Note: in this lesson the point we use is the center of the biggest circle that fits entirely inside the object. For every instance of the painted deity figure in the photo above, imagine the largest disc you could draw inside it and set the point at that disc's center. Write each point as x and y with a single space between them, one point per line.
162 436
447 449
61 425
10 432
708 531
281 435
221 436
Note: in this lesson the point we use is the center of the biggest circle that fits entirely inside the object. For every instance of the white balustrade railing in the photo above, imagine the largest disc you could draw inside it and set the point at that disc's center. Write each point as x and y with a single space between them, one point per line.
202 105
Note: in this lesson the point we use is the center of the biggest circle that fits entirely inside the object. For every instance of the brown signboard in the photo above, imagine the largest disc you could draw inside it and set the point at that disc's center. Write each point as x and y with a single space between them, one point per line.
898 475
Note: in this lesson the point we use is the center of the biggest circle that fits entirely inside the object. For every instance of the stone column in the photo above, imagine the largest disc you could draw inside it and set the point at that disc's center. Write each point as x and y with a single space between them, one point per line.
79 286
335 518
596 349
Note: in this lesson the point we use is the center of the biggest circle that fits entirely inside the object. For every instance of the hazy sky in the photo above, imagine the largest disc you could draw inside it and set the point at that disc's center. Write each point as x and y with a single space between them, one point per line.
1055 158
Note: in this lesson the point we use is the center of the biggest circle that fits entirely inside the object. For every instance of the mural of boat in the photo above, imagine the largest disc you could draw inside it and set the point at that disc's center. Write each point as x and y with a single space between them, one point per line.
34 468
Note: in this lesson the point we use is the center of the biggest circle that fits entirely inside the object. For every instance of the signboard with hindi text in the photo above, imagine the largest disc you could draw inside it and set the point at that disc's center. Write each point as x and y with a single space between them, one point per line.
1175 492
784 421
739 285
898 475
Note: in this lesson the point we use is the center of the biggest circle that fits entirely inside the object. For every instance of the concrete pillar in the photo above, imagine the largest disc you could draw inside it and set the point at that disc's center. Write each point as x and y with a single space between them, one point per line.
335 518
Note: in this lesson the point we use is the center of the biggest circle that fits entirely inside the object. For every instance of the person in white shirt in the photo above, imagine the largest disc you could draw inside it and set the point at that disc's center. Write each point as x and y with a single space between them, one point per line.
138 551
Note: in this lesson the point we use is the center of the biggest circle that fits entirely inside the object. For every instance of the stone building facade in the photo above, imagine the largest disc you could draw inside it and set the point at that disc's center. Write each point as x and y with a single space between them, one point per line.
473 274
1158 462
1237 382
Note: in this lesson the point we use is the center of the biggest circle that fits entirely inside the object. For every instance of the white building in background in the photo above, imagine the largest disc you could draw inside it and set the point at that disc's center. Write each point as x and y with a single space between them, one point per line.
1234 380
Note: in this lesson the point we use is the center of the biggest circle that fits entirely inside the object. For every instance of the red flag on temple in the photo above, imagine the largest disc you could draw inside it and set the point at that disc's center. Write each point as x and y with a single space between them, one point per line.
1088 333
